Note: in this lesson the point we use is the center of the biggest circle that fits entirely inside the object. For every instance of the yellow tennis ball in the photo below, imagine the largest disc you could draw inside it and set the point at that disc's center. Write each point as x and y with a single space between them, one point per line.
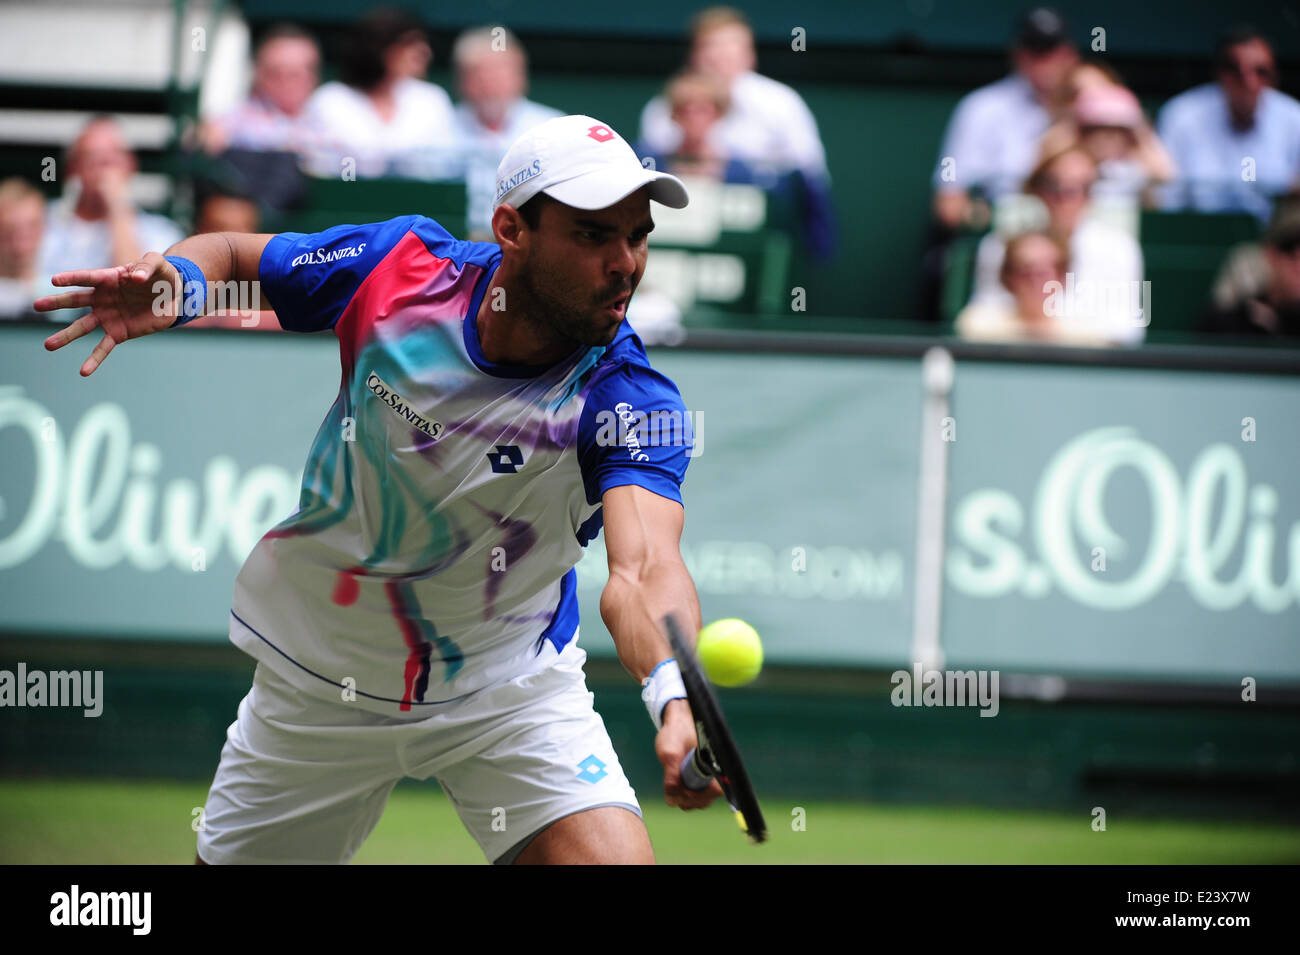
730 652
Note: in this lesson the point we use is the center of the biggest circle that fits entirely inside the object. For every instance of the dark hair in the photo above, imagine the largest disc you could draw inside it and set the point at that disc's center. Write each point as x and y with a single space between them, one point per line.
1235 36
220 188
531 211
362 64
282 31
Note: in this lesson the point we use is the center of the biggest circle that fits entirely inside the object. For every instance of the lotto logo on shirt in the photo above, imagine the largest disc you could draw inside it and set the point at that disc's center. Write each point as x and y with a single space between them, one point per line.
321 256
384 392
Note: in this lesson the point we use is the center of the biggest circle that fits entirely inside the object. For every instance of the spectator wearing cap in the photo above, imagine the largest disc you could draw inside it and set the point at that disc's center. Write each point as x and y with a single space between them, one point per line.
286 69
1104 257
1270 307
492 79
1105 118
382 116
1236 141
22 221
991 142
768 125
97 224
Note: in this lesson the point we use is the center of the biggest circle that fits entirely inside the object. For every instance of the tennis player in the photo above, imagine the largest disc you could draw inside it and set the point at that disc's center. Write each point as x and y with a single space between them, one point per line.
416 616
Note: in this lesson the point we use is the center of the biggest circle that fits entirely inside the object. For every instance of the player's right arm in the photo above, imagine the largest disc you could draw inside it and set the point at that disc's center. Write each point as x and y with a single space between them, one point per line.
140 298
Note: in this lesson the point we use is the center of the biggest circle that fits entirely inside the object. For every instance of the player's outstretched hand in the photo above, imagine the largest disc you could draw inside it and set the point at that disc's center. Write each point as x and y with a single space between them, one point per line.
125 302
675 740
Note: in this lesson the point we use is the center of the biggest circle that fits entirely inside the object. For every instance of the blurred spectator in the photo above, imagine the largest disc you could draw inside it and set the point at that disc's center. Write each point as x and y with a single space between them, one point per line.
1269 302
992 138
1104 117
1033 275
96 224
286 69
223 208
22 220
382 116
1107 259
220 208
1084 75
768 126
698 102
1236 142
768 123
492 77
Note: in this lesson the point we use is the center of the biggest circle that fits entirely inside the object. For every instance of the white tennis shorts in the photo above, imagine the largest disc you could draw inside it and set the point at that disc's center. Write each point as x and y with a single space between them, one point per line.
305 779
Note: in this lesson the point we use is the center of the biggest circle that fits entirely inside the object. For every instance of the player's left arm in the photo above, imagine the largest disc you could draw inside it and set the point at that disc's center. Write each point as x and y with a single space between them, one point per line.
647 581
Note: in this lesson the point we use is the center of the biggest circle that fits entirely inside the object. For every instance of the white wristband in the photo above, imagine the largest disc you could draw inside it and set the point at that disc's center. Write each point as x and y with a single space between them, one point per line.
663 685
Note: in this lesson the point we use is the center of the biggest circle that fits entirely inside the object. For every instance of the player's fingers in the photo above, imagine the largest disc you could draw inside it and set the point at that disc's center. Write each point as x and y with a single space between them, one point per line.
74 331
681 797
106 345
84 276
78 299
141 270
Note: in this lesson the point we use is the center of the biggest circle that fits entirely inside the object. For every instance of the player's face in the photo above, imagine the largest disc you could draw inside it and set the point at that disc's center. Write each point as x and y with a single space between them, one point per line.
582 266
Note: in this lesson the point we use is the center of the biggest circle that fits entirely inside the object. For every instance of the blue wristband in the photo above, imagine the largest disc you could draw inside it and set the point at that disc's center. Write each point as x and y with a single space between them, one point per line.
194 289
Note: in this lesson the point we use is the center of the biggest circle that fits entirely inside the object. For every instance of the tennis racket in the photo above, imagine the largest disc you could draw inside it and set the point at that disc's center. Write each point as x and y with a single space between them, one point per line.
715 756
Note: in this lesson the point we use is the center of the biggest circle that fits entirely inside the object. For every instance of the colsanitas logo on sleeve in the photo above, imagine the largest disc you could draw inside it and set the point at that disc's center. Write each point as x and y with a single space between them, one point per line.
322 256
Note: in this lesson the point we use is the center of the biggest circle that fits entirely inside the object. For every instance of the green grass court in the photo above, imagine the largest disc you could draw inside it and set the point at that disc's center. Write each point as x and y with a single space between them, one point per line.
74 822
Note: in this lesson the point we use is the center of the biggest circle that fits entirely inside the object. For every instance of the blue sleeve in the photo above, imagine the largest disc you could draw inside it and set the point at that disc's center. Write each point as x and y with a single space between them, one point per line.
309 279
634 429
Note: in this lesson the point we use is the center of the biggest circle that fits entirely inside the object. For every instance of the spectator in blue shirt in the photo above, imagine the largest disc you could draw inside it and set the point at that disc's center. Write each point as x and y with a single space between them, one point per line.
1236 142
991 143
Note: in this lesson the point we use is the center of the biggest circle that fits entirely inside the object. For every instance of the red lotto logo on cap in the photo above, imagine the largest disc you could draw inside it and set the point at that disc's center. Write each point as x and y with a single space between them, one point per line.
601 134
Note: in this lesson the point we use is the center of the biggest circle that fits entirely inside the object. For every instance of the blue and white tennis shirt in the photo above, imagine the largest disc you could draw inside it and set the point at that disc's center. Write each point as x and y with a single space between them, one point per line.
446 498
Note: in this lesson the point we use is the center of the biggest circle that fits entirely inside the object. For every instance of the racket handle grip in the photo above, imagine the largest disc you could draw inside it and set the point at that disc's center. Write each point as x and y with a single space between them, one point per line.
693 775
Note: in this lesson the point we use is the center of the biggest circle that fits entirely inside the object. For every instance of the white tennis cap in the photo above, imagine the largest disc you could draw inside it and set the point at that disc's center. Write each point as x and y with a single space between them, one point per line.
581 162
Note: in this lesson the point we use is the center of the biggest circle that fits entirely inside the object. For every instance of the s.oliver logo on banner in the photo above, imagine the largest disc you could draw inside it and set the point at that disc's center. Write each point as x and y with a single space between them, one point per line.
97 493
1213 533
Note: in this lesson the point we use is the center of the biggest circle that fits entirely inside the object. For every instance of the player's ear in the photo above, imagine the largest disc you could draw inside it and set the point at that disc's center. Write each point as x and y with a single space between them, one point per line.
509 227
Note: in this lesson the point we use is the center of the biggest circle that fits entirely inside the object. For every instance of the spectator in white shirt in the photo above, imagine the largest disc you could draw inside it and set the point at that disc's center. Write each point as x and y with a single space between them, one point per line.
768 122
96 224
992 138
492 79
768 126
1105 262
286 69
383 118
22 220
1236 142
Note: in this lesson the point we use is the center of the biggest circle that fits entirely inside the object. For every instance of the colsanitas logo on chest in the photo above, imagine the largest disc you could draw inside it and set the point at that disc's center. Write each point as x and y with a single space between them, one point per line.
402 408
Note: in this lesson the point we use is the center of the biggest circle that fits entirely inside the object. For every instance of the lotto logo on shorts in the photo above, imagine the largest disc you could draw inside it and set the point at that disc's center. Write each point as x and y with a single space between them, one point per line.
593 770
